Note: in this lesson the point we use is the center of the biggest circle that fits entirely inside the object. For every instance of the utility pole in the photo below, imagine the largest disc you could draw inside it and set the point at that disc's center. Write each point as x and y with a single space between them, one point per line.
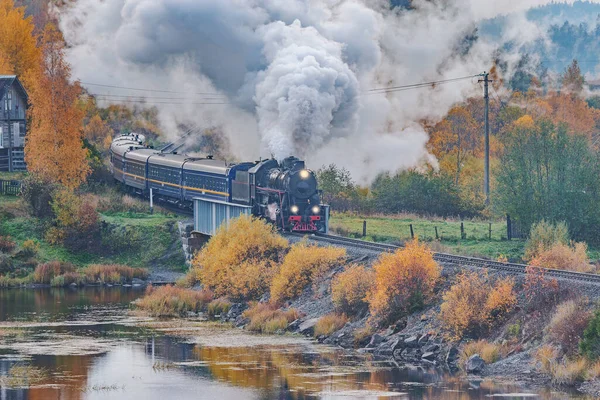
486 95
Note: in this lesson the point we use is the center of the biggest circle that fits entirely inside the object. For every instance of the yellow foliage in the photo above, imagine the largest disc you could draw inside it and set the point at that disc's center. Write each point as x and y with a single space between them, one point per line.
525 122
349 289
98 132
303 265
268 318
543 236
404 282
240 260
18 47
562 256
330 323
54 148
473 303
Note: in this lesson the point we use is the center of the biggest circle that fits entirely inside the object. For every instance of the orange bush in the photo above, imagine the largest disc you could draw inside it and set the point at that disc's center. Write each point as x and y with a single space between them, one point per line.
240 260
349 289
173 301
7 244
404 282
113 273
567 325
562 256
330 323
268 318
474 303
303 265
540 292
45 272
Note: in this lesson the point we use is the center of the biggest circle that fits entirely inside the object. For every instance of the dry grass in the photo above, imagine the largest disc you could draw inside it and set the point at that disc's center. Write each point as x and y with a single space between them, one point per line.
330 323
171 301
594 371
349 289
218 306
404 282
240 260
362 334
268 318
474 303
187 281
303 265
44 273
562 371
489 352
113 273
563 256
567 325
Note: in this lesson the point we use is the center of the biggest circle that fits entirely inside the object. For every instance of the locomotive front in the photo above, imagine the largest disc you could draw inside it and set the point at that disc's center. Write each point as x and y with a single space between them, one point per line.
290 196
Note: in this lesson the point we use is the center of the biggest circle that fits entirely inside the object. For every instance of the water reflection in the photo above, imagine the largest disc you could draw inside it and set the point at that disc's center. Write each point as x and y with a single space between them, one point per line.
60 304
139 364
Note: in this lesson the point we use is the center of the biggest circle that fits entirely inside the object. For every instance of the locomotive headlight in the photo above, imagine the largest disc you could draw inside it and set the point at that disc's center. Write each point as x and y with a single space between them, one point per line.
294 209
304 174
316 209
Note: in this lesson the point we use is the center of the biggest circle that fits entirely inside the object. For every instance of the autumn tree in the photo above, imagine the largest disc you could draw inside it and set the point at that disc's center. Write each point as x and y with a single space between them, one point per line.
572 79
54 149
18 44
98 132
454 139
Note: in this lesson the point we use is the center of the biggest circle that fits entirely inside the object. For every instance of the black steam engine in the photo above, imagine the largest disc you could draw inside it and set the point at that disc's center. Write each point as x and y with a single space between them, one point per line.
285 193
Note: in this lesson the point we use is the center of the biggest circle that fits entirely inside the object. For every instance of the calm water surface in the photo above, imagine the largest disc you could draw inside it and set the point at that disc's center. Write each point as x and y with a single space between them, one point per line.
88 348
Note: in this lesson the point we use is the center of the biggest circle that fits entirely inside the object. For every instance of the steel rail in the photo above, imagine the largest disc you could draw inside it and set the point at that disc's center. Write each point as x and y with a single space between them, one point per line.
512 268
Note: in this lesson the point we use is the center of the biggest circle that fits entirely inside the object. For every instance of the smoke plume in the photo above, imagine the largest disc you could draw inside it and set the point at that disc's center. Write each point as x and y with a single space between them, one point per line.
292 77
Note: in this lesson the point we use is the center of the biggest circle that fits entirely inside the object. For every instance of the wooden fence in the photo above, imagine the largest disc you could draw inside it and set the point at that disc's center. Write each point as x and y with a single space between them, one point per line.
11 188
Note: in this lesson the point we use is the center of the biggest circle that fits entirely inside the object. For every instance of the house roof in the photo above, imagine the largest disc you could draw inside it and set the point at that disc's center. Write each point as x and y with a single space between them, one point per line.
6 81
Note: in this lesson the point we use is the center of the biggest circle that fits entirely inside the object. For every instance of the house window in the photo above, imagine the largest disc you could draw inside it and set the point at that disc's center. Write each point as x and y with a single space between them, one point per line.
8 101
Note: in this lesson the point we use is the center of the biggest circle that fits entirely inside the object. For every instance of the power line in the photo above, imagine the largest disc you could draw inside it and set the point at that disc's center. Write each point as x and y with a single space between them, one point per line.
147 90
418 85
149 97
160 102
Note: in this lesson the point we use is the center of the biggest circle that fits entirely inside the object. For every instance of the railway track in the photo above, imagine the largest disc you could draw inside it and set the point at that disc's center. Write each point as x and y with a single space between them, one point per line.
455 259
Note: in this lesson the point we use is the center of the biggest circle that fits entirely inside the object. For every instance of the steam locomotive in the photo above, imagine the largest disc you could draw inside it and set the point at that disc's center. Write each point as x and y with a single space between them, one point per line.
285 193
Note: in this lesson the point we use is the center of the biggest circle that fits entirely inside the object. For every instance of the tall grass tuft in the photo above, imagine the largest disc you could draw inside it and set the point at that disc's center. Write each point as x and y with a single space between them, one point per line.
113 273
268 318
44 273
171 301
330 323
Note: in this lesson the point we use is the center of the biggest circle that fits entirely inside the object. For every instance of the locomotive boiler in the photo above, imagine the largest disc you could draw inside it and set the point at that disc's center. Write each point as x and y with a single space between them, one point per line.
283 192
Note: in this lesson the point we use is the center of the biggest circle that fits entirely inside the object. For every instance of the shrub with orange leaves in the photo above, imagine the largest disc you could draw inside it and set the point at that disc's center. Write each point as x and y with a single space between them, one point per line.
540 292
349 289
568 323
240 259
303 265
562 256
404 282
474 303
171 301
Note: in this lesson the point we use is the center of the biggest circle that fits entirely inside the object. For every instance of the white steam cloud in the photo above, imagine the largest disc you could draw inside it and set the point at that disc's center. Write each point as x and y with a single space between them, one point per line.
293 75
